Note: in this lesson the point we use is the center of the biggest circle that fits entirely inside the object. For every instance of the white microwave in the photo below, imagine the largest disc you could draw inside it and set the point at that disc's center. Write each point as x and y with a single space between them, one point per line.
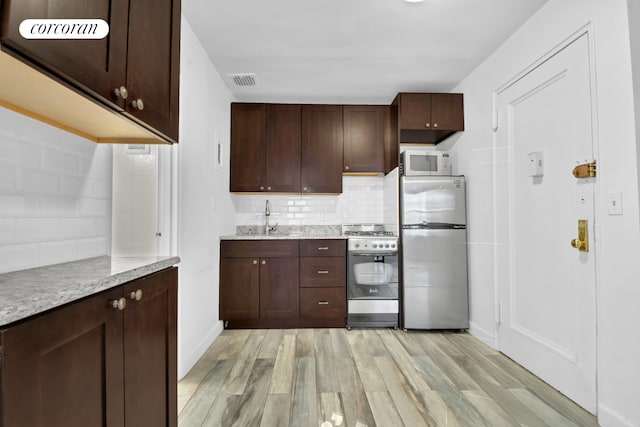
414 162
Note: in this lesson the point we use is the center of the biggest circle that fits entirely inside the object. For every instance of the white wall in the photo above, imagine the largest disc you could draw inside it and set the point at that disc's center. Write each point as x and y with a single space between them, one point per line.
204 205
360 202
134 202
55 195
617 237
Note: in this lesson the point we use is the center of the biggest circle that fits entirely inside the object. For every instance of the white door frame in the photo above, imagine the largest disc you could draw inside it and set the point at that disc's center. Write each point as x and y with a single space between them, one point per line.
500 156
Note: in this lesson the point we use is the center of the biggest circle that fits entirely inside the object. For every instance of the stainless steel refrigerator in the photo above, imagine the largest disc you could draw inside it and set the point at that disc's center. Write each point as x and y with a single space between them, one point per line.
434 252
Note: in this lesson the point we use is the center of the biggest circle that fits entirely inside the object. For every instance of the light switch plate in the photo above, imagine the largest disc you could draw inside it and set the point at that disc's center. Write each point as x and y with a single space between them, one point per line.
615 203
535 164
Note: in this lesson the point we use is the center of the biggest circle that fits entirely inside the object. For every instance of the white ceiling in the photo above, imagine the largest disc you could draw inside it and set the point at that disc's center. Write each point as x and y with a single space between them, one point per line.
351 51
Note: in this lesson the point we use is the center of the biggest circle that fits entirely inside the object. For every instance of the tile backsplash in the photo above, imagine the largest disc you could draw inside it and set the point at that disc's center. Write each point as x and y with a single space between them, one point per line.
55 195
361 201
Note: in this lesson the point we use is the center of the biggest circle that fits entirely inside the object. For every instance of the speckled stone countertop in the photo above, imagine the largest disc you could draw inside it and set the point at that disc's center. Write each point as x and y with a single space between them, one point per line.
25 293
286 232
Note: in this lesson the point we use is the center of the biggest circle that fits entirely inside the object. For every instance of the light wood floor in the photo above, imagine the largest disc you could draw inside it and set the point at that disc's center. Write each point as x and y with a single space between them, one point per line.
365 377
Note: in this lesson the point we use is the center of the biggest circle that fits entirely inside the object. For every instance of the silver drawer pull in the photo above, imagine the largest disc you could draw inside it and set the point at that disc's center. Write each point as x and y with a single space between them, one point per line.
323 302
323 248
323 271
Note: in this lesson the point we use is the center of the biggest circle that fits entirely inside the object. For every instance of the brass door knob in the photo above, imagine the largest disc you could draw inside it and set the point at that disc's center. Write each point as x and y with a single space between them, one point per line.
576 243
581 243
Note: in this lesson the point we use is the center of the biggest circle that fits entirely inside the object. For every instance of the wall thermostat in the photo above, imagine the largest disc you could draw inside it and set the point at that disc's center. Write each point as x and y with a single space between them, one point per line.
536 163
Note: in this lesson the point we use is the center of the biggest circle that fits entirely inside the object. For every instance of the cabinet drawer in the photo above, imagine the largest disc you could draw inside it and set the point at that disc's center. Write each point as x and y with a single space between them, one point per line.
323 248
323 303
323 271
258 248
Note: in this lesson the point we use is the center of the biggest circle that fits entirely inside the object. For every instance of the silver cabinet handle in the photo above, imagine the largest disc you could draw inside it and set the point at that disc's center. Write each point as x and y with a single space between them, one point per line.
121 92
323 302
261 188
264 262
136 295
428 125
255 262
323 271
119 304
435 125
137 104
346 168
304 188
323 248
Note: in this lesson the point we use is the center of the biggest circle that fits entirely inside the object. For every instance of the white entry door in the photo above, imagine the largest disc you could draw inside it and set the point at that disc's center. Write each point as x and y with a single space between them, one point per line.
547 290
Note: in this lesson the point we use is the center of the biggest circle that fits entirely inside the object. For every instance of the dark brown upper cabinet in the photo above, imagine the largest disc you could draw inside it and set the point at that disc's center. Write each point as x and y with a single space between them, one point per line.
284 130
429 117
133 72
364 137
322 149
248 150
265 147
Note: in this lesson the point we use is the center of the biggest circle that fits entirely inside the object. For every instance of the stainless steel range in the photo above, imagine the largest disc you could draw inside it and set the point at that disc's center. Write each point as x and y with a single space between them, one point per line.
372 276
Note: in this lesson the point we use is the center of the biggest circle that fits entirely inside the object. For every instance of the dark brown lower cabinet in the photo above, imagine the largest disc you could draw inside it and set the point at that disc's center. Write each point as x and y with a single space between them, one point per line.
262 284
90 364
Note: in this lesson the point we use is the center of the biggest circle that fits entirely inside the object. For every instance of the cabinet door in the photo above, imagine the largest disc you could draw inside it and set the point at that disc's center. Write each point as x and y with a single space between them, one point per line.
65 368
322 149
239 288
415 111
247 147
97 66
153 64
283 148
364 138
279 288
150 350
447 111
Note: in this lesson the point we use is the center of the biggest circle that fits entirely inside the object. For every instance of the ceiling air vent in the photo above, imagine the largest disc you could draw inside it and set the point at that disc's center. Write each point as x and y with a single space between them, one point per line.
243 79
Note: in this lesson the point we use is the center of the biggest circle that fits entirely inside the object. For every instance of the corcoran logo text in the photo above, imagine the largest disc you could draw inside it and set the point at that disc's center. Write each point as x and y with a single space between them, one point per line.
64 29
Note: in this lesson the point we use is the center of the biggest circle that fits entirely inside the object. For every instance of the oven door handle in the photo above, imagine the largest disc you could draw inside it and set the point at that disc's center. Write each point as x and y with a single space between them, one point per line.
373 254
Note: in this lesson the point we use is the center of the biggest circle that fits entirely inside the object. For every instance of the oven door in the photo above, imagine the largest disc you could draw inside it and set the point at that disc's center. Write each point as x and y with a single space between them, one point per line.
372 276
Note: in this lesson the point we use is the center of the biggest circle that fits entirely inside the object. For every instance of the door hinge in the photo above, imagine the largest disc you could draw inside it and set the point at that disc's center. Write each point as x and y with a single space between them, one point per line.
495 119
498 313
587 170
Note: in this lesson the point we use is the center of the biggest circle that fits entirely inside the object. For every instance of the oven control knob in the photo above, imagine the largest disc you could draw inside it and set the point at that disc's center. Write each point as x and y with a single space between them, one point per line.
386 245
375 245
357 245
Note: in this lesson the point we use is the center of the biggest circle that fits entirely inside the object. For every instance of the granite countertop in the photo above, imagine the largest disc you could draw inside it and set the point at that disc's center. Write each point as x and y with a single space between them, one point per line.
287 232
29 292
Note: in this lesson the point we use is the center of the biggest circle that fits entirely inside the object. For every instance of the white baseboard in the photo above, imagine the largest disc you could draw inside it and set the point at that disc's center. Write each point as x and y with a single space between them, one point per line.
186 363
483 335
609 418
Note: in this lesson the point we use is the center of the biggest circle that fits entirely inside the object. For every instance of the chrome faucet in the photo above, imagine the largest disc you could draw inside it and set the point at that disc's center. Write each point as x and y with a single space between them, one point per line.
267 213
268 228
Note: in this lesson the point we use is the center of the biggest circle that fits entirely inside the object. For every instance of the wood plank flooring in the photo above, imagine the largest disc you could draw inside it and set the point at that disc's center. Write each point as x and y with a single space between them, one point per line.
365 378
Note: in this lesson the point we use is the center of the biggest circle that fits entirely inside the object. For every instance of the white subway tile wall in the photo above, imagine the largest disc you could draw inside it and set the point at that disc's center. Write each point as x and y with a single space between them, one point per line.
391 201
360 202
55 195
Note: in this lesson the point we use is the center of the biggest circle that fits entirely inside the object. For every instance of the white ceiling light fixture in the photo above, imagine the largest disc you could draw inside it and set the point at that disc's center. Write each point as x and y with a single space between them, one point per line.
414 1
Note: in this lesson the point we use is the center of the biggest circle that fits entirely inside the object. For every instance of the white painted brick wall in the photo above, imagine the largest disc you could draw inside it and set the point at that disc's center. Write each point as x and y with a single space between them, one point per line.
55 195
